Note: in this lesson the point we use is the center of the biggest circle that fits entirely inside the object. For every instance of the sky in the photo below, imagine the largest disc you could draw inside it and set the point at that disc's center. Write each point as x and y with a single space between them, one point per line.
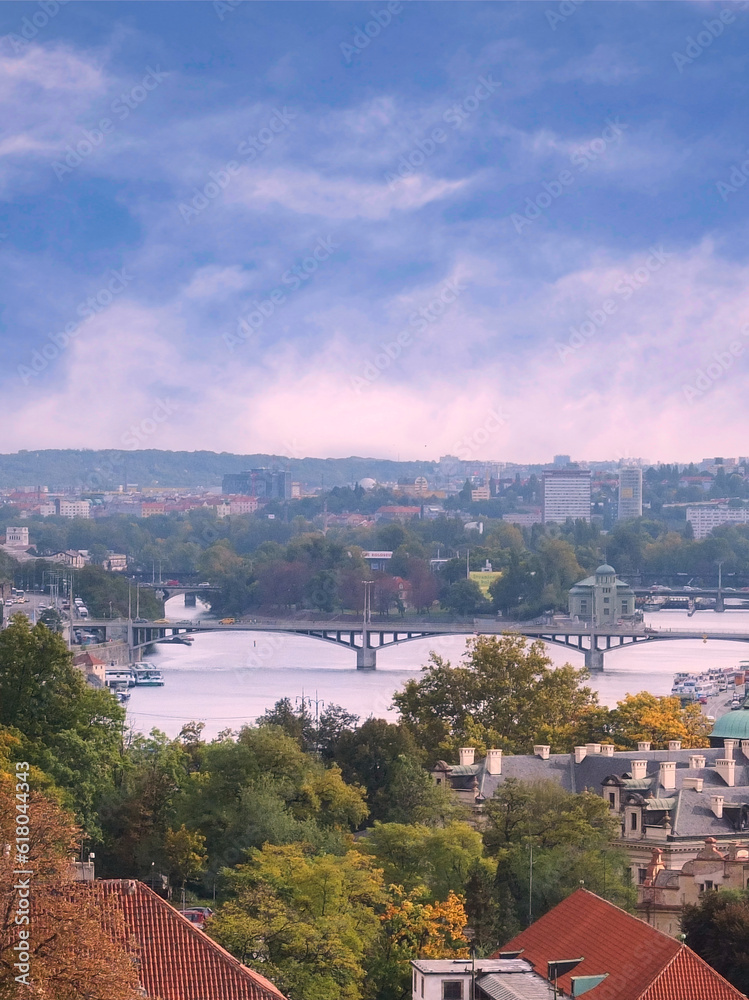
402 229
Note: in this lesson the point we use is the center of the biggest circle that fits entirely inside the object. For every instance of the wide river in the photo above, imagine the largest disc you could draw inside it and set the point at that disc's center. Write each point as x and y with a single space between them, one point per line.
228 679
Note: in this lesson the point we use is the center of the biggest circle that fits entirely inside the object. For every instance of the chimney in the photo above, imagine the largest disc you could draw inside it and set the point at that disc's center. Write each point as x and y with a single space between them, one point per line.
466 755
674 745
493 761
667 775
694 783
580 754
593 747
727 770
696 761
639 768
745 747
730 746
716 804
542 751
607 749
643 746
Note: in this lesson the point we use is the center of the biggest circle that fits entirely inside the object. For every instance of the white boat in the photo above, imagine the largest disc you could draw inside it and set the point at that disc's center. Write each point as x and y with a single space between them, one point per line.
119 675
148 676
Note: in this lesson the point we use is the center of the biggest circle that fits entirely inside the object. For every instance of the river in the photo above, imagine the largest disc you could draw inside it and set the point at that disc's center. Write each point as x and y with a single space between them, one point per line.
226 680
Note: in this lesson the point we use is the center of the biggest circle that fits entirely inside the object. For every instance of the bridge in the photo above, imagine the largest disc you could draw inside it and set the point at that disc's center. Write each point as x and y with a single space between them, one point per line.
692 594
366 639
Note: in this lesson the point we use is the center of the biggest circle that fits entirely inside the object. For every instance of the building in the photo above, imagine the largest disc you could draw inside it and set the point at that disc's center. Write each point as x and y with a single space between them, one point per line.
481 493
566 494
266 484
92 668
175 959
561 461
704 518
115 562
152 508
630 492
665 892
485 979
602 598
73 508
641 963
672 799
71 557
379 561
17 537
525 518
393 512
418 487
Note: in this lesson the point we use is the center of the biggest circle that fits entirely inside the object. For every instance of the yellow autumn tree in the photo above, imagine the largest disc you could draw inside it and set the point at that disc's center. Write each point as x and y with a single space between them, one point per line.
645 716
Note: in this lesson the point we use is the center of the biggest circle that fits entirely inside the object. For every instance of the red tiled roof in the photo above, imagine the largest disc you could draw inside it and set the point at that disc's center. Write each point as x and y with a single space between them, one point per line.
176 960
642 963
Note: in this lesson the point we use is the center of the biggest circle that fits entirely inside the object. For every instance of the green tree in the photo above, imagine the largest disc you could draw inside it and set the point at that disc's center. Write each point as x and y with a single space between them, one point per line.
311 918
505 694
464 597
717 928
185 852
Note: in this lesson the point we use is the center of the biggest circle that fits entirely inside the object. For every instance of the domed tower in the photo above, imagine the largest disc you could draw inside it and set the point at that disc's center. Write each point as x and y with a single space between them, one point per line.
602 597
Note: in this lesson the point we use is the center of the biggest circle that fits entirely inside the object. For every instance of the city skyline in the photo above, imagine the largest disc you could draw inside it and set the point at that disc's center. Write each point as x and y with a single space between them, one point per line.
476 229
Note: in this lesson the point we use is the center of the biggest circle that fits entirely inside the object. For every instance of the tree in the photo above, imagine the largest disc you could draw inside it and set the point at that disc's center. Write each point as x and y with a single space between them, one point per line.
185 854
437 859
52 619
717 928
414 798
645 716
505 694
464 597
72 934
311 918
70 731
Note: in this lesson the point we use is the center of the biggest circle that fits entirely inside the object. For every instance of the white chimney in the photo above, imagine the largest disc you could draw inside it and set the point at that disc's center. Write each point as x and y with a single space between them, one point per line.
727 770
716 804
696 761
593 747
745 747
607 749
466 755
730 746
493 761
639 768
691 782
667 775
580 754
644 746
542 751
674 745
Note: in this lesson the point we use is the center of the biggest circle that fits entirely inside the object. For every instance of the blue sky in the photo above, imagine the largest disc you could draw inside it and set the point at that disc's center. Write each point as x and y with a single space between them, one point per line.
497 230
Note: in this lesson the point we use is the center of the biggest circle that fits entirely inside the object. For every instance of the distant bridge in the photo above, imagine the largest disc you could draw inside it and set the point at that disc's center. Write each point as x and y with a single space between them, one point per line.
367 640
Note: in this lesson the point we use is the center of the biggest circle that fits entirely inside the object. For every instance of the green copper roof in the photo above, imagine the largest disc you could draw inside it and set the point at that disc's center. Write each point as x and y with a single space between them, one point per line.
734 725
605 569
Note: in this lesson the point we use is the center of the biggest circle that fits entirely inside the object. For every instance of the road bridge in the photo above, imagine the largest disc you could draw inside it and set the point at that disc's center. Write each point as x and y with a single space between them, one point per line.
367 640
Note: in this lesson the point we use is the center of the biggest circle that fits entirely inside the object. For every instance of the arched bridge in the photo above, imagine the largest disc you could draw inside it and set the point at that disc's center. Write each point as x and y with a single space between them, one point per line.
367 639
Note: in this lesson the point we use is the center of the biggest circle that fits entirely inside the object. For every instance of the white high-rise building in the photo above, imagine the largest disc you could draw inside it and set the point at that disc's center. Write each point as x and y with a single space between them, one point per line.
704 519
566 494
630 492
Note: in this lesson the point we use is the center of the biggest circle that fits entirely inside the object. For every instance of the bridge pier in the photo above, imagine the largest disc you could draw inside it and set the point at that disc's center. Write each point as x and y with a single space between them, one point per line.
720 604
594 659
191 600
366 658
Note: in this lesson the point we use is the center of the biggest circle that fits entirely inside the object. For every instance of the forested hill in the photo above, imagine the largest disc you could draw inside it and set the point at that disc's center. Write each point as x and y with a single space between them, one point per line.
105 469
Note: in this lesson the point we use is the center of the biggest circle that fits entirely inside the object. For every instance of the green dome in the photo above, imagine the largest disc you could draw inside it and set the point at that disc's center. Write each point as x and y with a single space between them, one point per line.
732 725
605 569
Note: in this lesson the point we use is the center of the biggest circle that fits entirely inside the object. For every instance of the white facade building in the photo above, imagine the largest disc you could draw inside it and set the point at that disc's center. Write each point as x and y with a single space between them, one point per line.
704 519
17 536
630 493
566 494
73 508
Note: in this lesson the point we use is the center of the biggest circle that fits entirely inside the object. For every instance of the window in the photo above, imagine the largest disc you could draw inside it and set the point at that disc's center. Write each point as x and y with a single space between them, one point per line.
612 800
633 821
607 590
583 605
452 989
625 608
642 874
416 981
439 781
422 986
606 600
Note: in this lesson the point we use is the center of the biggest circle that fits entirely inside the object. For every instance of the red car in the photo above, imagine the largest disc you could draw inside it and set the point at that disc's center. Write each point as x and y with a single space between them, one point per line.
197 915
